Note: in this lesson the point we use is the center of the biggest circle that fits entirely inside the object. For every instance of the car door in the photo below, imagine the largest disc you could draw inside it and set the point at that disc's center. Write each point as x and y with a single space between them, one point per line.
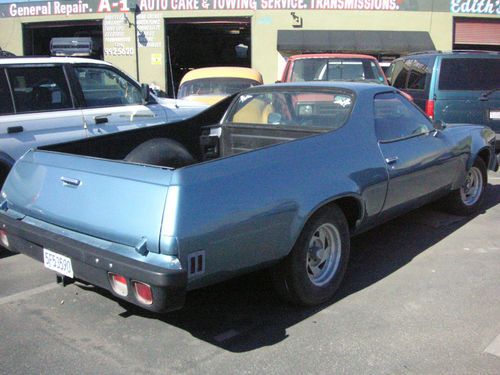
420 160
113 102
43 110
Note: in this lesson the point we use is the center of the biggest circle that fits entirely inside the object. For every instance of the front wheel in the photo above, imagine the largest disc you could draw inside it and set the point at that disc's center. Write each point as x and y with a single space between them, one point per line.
470 197
315 267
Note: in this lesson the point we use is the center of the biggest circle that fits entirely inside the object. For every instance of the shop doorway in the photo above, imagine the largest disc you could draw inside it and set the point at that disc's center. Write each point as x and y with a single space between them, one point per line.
37 36
199 43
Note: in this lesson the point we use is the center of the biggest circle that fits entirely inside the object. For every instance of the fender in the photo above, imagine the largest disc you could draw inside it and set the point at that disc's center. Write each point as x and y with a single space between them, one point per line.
479 144
360 214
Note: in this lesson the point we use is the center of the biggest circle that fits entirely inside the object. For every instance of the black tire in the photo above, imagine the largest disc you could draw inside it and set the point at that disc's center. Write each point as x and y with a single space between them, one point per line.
470 197
294 278
161 151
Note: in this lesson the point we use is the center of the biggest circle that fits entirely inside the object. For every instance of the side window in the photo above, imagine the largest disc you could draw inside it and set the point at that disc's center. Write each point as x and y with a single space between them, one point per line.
396 118
39 89
400 74
104 87
419 72
6 105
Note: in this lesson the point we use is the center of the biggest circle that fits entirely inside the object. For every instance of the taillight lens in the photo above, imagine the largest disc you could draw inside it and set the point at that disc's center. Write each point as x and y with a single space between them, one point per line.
119 284
429 108
143 293
4 239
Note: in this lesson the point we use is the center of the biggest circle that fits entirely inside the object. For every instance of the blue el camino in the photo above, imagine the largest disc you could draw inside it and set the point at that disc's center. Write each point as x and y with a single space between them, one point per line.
278 176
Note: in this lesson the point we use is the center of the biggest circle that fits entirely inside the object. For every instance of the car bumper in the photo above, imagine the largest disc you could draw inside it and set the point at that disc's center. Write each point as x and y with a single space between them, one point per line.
92 264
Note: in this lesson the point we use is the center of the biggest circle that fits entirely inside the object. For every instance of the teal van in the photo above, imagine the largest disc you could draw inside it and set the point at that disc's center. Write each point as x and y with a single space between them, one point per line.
454 87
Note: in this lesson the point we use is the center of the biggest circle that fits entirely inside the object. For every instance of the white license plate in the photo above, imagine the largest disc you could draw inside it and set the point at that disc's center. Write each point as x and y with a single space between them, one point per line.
57 262
495 114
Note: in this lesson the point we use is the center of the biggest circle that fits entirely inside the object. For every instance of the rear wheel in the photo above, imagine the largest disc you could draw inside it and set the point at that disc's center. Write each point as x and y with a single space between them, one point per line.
315 267
469 198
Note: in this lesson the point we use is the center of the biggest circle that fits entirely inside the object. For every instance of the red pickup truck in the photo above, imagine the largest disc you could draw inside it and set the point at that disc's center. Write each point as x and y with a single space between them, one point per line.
333 67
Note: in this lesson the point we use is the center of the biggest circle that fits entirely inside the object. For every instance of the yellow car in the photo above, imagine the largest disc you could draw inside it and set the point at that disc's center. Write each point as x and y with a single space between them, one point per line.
209 85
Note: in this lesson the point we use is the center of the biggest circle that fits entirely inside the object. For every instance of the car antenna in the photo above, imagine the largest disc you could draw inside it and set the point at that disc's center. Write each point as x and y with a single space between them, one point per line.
171 78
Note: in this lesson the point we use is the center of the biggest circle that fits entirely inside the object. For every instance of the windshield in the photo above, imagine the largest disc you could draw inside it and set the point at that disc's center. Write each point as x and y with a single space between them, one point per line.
215 86
305 108
336 70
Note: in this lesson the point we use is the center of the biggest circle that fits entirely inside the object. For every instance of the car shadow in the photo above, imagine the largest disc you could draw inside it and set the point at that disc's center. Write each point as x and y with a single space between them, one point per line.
245 313
4 253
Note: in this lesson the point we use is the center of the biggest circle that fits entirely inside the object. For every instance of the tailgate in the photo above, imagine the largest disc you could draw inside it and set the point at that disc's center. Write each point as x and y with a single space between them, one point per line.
111 200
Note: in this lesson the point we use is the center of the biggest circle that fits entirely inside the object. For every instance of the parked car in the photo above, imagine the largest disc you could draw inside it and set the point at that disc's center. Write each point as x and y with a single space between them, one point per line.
49 100
210 85
456 87
333 67
283 179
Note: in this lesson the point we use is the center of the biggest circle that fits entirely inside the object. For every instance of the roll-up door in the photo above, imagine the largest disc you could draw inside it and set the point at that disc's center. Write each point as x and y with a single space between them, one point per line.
476 31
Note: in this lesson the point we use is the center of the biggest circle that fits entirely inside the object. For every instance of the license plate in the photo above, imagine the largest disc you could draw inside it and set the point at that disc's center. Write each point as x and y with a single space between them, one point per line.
495 114
57 262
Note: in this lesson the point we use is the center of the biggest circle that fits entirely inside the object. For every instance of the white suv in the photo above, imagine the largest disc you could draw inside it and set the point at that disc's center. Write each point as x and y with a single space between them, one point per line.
47 100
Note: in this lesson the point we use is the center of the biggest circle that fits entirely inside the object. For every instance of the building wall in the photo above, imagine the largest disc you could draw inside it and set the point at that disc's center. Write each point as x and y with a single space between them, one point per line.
119 44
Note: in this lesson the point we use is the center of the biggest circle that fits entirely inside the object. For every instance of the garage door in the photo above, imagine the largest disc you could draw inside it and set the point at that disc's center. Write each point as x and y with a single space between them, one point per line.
477 31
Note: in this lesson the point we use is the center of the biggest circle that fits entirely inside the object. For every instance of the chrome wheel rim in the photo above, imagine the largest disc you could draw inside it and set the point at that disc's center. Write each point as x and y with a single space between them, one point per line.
323 254
472 188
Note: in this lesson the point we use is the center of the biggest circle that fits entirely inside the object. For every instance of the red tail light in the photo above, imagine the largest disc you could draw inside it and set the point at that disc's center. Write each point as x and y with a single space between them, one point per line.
119 284
429 108
4 239
143 293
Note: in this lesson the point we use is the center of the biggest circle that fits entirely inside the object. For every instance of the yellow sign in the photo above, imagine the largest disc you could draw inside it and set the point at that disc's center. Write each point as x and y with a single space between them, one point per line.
156 59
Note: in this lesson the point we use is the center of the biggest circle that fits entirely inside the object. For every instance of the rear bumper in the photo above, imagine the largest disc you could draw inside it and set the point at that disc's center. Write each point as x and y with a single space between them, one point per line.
92 264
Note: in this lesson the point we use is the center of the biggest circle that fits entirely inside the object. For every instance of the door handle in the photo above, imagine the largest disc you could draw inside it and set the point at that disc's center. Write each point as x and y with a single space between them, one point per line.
15 129
391 160
102 119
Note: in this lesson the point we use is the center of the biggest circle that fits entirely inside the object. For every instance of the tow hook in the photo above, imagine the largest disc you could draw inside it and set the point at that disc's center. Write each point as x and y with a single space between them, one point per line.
64 280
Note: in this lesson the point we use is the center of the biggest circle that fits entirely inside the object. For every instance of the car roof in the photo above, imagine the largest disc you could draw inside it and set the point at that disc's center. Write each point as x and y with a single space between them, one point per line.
457 53
331 56
50 60
343 85
222 72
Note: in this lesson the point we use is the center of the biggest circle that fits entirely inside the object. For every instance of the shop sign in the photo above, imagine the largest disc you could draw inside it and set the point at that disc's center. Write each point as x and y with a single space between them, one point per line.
71 7
475 6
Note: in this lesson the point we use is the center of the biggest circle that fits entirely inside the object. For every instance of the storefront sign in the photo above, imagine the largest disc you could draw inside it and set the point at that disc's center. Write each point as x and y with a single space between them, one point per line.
117 38
475 6
71 7
149 29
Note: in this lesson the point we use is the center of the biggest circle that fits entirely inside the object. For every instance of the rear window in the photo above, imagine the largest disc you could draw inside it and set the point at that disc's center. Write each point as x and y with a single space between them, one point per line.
469 74
336 70
215 86
319 109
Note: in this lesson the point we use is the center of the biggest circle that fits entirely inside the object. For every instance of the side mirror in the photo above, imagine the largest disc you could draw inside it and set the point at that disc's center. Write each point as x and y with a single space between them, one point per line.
145 92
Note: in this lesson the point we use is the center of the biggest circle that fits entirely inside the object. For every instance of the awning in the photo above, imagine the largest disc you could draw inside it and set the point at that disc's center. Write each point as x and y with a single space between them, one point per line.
374 42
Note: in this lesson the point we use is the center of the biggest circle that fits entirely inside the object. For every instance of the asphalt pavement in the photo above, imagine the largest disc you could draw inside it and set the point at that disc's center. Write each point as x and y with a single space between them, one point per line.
421 296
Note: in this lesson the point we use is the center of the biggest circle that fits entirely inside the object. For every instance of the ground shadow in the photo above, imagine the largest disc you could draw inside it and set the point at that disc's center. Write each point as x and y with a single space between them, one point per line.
244 314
